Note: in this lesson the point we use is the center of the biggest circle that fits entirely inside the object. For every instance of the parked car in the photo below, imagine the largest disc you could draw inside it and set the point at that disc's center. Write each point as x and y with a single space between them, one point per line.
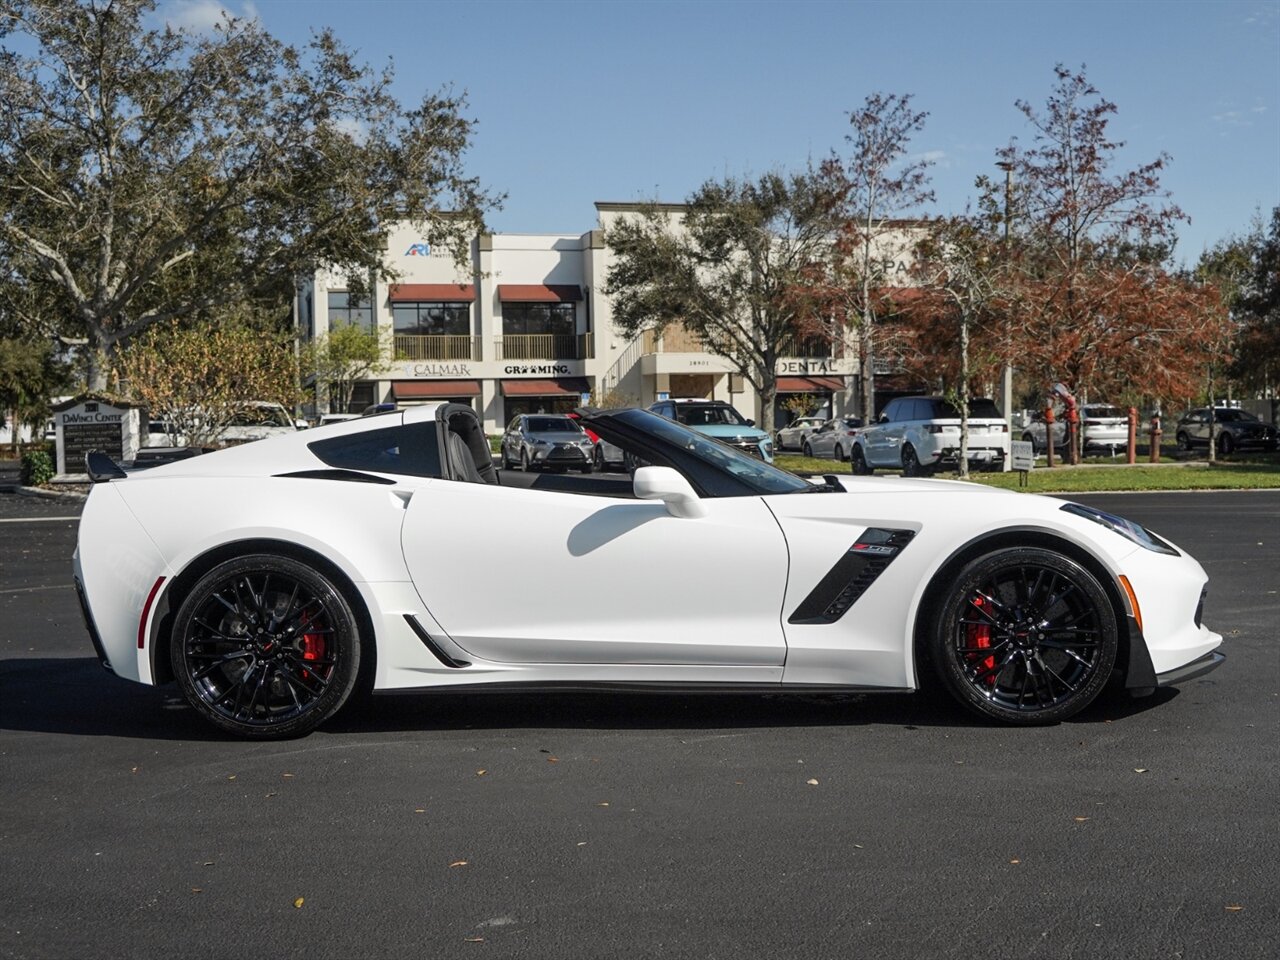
920 434
718 419
533 441
262 578
257 420
794 434
833 439
161 433
1237 430
1102 427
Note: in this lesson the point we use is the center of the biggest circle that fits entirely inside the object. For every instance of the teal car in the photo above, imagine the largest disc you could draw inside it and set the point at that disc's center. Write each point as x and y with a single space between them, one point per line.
718 419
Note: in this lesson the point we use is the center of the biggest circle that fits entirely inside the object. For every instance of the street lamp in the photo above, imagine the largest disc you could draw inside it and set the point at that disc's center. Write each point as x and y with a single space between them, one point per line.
1007 379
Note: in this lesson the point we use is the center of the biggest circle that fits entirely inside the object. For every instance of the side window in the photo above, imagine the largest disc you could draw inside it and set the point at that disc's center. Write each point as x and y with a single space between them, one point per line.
893 410
410 450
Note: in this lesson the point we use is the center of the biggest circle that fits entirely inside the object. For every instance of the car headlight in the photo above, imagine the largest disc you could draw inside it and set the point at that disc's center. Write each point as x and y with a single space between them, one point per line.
1126 528
540 443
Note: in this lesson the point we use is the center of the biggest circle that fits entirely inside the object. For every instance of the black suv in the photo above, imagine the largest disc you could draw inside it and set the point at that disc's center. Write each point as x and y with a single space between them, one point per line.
1237 430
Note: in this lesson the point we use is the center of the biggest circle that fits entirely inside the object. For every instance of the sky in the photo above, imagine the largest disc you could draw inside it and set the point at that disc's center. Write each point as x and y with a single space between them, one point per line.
630 101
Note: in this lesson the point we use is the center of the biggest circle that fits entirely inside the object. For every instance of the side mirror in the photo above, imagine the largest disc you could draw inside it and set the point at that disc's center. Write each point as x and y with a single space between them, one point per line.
751 423
663 483
883 418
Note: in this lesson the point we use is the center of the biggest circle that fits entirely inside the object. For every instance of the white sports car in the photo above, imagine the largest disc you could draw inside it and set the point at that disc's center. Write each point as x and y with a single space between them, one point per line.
269 580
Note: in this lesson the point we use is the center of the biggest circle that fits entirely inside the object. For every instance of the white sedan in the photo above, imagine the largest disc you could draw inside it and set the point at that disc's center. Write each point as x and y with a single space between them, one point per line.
794 434
270 580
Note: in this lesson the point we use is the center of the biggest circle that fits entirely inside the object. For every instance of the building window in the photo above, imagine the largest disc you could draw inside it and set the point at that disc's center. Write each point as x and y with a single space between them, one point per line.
348 309
526 318
425 319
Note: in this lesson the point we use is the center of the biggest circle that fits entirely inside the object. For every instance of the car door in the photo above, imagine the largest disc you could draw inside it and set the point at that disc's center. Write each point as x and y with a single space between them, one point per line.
882 442
540 576
820 440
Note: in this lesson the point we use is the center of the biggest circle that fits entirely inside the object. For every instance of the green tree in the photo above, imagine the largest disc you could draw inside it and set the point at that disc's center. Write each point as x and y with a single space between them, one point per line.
726 270
29 375
152 174
341 358
198 380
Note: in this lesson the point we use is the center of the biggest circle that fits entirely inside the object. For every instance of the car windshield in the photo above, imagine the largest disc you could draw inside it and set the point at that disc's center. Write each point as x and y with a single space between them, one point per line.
707 415
1105 412
553 425
707 452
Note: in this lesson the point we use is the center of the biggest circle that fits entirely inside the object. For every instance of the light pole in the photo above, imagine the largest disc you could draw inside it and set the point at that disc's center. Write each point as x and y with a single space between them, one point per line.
1007 379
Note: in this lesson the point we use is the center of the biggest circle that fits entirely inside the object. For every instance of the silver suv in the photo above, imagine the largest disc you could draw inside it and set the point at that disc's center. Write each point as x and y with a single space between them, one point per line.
920 434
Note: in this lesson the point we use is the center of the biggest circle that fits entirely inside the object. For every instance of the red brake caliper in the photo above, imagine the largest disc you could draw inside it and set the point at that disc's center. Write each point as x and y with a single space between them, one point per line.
312 643
979 636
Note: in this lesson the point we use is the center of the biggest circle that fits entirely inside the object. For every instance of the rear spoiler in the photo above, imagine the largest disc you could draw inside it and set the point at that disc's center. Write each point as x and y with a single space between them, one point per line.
102 468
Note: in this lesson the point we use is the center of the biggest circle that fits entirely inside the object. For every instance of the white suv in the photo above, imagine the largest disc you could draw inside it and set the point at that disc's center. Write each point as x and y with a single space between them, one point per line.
920 434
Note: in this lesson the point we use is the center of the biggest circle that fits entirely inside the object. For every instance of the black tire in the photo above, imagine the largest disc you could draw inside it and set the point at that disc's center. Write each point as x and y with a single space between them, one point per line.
911 465
1226 444
1031 439
525 465
1025 636
597 458
506 464
587 467
807 450
1184 441
858 462
265 647
839 453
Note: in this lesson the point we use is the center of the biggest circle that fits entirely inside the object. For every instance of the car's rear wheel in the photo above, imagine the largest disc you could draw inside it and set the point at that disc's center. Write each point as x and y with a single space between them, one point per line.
858 462
1031 439
808 449
265 647
1025 636
839 453
597 458
911 465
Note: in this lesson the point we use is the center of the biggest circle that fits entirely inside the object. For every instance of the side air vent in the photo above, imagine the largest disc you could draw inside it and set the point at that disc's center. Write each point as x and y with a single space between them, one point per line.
429 642
851 576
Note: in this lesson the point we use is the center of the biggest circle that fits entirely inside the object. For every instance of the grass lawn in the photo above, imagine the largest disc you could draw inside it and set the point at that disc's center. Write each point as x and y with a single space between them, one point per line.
1240 473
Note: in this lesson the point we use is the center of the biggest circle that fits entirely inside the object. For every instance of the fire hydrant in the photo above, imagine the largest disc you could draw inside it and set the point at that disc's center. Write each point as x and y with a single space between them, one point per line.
1156 433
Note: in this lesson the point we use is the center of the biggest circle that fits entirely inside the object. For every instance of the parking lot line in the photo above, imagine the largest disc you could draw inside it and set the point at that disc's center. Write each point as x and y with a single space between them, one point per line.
34 519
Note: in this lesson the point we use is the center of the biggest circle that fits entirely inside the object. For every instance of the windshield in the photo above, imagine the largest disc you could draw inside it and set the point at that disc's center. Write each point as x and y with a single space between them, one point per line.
553 425
1105 412
718 469
698 415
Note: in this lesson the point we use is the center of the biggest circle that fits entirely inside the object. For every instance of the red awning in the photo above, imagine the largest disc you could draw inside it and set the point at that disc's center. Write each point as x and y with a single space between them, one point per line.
539 292
432 291
810 384
560 387
434 389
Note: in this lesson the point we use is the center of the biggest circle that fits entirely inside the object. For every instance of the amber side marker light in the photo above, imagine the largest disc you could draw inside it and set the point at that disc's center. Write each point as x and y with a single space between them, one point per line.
146 614
1133 599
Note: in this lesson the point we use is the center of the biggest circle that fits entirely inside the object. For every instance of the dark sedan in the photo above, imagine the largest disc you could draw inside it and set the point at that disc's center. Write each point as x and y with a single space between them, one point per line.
1236 429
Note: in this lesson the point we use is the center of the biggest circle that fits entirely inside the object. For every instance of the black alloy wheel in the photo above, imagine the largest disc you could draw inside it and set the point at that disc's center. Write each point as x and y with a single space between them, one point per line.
524 460
911 465
597 458
1226 444
265 647
1031 439
1026 636
858 462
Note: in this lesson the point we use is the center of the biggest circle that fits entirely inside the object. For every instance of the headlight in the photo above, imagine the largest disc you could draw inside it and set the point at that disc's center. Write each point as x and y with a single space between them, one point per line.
540 443
1126 528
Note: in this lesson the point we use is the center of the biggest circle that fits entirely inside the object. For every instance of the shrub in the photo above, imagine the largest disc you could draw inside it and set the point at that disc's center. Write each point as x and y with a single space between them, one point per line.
36 469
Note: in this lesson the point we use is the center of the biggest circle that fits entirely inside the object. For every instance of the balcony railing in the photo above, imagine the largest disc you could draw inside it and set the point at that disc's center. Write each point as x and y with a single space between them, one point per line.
544 346
436 347
810 348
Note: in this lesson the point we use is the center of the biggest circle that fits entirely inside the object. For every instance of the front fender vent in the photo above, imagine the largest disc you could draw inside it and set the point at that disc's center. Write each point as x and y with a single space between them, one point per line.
851 576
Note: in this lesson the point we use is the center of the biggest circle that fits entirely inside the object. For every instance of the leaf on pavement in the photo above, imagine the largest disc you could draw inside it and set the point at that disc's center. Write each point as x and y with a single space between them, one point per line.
1234 908
458 863
481 773
297 904
473 939
812 782
1081 819
1139 769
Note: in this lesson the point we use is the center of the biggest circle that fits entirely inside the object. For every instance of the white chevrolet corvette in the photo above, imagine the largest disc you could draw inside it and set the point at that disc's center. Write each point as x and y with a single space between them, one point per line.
269 580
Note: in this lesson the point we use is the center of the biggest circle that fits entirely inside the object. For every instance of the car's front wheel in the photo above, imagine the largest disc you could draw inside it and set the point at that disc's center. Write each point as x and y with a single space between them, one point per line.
1184 440
1025 636
808 449
265 647
597 458
1031 439
1226 444
839 453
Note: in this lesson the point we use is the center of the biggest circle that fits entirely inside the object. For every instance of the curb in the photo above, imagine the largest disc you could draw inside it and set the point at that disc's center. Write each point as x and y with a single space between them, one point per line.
42 494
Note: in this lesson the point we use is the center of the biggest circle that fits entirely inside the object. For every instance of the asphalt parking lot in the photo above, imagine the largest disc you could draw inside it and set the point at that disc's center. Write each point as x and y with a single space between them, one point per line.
639 826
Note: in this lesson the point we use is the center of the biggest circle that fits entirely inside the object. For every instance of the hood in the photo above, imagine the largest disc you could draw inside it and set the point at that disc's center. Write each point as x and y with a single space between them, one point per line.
721 430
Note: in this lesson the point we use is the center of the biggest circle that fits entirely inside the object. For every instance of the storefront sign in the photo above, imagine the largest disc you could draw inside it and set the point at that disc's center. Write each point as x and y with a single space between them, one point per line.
441 370
95 425
537 369
806 366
